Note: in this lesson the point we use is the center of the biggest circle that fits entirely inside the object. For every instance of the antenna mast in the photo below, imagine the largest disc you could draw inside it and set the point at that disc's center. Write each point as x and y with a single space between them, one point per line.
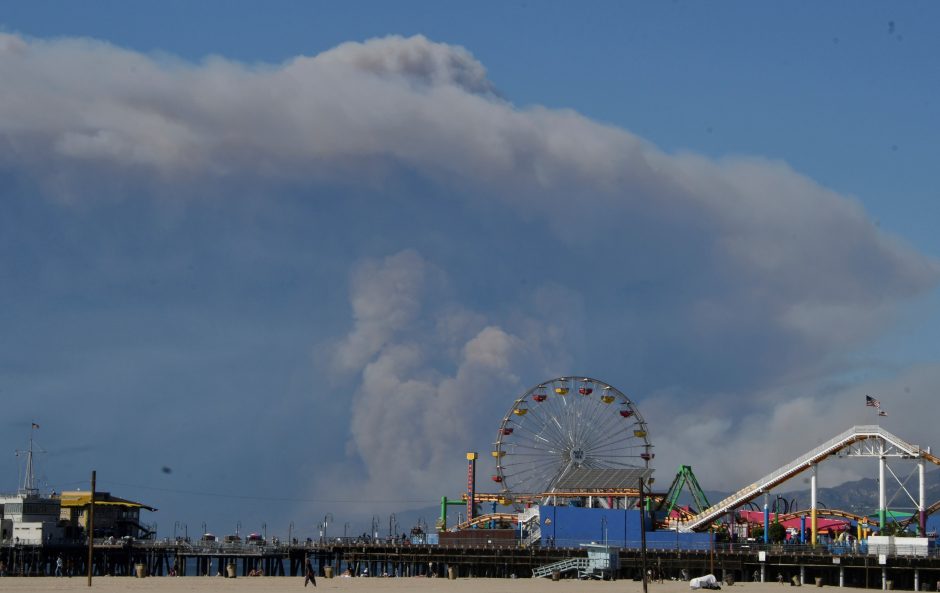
29 480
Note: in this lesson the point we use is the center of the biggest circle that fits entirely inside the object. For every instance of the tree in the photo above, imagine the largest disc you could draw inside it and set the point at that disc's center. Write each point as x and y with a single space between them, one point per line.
777 532
757 532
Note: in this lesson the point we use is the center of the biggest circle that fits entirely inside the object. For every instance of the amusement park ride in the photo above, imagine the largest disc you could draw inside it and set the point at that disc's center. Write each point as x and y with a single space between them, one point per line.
579 441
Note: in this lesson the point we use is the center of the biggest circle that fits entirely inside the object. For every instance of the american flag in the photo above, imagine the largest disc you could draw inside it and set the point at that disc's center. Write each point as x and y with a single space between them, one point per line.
870 401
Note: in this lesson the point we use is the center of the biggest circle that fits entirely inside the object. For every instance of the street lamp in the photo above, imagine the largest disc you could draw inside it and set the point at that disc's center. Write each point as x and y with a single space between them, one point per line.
264 531
392 521
204 528
375 527
238 527
290 533
176 525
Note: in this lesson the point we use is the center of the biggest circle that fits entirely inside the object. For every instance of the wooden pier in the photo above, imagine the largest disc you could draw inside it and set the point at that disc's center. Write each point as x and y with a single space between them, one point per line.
470 559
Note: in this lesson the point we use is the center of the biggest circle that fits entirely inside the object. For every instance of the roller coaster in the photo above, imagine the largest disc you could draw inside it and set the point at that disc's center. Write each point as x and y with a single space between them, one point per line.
858 441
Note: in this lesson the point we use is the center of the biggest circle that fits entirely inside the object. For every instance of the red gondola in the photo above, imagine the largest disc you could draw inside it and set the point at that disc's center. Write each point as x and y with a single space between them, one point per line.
497 478
507 430
626 413
540 397
647 456
585 390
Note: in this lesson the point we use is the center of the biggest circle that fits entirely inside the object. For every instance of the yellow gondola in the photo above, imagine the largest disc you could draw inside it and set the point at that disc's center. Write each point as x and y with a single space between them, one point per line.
608 399
563 390
520 411
498 454
639 433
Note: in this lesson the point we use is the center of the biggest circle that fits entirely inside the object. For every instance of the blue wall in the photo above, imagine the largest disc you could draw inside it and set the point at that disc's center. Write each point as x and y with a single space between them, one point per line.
669 540
571 526
564 526
933 523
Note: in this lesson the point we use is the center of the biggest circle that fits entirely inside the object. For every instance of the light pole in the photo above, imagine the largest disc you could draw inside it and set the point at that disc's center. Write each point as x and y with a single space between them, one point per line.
185 532
238 528
391 520
204 528
176 525
264 531
643 533
711 549
326 523
375 527
290 533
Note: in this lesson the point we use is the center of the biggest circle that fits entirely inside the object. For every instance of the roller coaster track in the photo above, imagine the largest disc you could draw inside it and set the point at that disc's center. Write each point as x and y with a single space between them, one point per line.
827 513
928 511
483 519
804 462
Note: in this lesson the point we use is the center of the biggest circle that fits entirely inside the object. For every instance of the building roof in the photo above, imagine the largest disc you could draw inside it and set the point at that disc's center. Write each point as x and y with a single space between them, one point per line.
583 478
80 498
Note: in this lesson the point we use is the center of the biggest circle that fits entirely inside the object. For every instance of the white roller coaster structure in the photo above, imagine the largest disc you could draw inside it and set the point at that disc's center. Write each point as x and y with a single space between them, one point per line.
859 441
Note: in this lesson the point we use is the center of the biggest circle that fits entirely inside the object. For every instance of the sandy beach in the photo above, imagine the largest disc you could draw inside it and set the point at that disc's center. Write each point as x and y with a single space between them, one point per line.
264 584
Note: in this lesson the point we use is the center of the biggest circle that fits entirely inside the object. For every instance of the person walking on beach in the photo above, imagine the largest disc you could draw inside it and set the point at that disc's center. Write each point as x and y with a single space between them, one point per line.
311 576
58 566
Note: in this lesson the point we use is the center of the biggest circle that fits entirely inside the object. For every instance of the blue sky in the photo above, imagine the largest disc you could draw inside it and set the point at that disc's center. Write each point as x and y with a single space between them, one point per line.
301 277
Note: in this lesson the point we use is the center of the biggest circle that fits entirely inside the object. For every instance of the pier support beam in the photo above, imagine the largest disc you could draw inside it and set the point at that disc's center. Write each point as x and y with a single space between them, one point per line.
841 576
921 502
766 517
882 511
812 498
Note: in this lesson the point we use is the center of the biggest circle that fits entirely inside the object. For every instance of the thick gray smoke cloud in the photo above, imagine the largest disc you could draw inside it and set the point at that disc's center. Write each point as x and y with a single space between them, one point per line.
719 284
432 376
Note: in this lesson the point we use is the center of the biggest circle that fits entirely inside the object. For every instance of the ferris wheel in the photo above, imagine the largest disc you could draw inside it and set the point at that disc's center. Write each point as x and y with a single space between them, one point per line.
563 424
